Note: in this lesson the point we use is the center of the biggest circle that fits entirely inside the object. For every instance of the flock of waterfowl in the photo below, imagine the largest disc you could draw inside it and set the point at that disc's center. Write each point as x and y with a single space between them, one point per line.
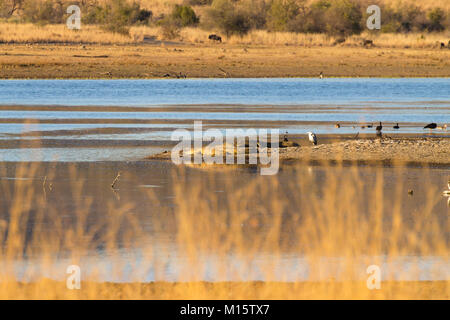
431 126
379 127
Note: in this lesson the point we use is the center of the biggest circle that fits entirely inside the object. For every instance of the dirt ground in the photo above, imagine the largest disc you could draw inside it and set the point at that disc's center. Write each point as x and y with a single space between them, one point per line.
419 150
56 61
397 150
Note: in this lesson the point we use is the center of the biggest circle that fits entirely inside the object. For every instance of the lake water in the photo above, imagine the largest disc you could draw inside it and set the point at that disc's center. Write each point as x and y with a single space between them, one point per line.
362 92
134 112
100 122
153 250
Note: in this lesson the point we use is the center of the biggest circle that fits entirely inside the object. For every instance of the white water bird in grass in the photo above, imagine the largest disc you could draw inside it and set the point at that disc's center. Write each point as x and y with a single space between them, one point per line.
312 138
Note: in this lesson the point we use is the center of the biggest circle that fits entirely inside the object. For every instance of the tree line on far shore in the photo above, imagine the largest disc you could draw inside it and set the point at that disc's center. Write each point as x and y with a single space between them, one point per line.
334 17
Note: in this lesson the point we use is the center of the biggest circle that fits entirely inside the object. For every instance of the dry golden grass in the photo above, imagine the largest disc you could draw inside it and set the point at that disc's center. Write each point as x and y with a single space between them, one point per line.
30 33
265 38
248 223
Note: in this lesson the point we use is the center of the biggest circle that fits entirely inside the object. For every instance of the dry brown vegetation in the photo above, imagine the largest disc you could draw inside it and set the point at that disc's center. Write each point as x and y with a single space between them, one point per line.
331 220
29 33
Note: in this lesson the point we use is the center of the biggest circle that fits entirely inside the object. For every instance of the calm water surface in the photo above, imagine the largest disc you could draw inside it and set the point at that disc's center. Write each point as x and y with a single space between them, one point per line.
223 91
149 110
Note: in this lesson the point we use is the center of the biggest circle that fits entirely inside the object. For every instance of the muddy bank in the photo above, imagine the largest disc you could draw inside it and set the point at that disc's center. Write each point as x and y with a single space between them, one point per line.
55 61
388 150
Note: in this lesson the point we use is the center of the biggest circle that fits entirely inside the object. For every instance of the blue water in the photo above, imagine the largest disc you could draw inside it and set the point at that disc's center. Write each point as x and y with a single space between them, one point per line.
293 105
222 91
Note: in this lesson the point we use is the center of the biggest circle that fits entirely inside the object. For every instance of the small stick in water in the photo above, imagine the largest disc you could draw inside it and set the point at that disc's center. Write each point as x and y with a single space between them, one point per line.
43 187
115 180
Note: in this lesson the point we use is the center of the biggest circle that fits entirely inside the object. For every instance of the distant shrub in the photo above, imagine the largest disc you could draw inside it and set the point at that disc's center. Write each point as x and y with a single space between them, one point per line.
223 15
336 17
437 18
9 7
46 12
311 19
411 18
343 18
170 28
185 15
117 15
199 2
255 12
281 12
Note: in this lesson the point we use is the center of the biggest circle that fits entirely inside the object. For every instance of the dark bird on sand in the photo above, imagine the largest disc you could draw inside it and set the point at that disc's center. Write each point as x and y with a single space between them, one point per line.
379 127
286 143
431 126
396 127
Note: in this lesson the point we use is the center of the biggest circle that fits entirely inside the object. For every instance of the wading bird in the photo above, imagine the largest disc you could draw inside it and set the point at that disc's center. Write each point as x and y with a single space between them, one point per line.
396 127
312 138
431 126
379 128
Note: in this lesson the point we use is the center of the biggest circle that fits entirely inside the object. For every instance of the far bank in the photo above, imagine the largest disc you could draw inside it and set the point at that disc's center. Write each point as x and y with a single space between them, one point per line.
180 60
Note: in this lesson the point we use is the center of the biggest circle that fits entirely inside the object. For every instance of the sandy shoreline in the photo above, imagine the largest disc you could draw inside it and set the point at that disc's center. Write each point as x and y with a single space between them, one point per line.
56 61
388 151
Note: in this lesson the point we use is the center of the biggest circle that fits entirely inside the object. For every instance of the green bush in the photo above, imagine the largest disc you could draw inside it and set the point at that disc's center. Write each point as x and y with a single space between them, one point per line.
223 15
47 12
344 18
310 19
185 15
336 17
118 15
280 14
